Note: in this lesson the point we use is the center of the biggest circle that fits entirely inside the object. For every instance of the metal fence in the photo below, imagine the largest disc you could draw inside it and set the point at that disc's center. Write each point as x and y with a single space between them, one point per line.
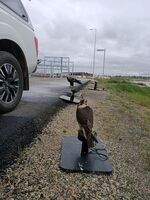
55 67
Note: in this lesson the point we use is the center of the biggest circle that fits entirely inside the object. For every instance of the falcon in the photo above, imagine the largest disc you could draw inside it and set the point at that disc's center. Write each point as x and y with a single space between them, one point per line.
73 80
84 115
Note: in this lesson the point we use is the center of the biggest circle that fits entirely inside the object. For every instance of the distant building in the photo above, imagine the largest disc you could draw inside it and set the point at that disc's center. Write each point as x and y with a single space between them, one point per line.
82 74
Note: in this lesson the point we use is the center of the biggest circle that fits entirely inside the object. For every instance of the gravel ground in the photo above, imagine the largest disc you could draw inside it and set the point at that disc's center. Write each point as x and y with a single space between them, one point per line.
124 130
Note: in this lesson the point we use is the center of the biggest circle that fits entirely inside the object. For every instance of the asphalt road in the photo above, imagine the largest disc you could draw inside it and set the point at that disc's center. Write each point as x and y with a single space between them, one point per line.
39 104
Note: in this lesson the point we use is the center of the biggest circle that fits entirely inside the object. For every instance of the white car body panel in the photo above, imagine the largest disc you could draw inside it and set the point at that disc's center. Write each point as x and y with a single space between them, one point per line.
16 29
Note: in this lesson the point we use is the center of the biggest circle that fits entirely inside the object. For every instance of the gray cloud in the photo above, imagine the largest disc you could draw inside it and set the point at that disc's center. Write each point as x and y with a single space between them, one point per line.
62 27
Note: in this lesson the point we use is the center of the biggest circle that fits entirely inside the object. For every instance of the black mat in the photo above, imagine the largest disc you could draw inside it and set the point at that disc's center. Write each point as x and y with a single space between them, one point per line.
68 99
95 161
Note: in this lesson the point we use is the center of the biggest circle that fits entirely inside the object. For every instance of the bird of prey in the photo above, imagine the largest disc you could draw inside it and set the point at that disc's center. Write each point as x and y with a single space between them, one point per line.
84 115
73 80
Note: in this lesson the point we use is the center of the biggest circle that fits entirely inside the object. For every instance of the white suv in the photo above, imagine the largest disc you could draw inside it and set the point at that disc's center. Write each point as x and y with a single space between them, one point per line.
18 53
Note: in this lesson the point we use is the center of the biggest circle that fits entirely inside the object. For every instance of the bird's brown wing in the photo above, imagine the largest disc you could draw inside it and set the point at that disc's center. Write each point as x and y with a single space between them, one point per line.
84 117
70 79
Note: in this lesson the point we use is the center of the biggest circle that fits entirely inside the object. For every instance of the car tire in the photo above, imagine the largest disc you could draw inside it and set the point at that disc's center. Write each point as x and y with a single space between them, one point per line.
11 82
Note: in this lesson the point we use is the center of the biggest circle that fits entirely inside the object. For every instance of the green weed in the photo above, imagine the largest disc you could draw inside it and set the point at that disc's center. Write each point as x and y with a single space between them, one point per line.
136 93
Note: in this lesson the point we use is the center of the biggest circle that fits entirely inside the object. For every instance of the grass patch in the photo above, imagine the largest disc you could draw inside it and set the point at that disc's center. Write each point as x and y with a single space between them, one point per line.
138 94
143 100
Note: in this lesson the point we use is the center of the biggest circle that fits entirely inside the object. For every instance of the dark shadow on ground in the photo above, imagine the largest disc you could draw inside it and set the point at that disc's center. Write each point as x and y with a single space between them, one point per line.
14 138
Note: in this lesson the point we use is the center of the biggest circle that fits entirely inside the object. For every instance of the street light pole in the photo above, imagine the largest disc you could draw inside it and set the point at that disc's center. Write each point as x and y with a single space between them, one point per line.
104 61
104 50
95 32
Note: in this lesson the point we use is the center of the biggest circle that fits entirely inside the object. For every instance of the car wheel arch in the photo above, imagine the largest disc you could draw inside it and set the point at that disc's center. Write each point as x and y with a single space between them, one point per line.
13 48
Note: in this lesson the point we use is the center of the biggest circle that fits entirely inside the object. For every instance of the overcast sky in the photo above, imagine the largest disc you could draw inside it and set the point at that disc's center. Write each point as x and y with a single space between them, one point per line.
123 29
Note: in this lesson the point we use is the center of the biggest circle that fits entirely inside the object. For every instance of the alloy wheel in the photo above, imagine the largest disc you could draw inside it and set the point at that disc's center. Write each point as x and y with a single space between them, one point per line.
9 83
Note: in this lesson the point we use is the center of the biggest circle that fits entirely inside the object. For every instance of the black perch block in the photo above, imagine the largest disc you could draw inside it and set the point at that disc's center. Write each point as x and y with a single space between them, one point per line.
84 147
95 85
94 161
71 98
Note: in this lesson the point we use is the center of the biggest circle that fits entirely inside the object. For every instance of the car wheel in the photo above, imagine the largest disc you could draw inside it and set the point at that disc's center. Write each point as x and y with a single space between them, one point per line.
11 82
